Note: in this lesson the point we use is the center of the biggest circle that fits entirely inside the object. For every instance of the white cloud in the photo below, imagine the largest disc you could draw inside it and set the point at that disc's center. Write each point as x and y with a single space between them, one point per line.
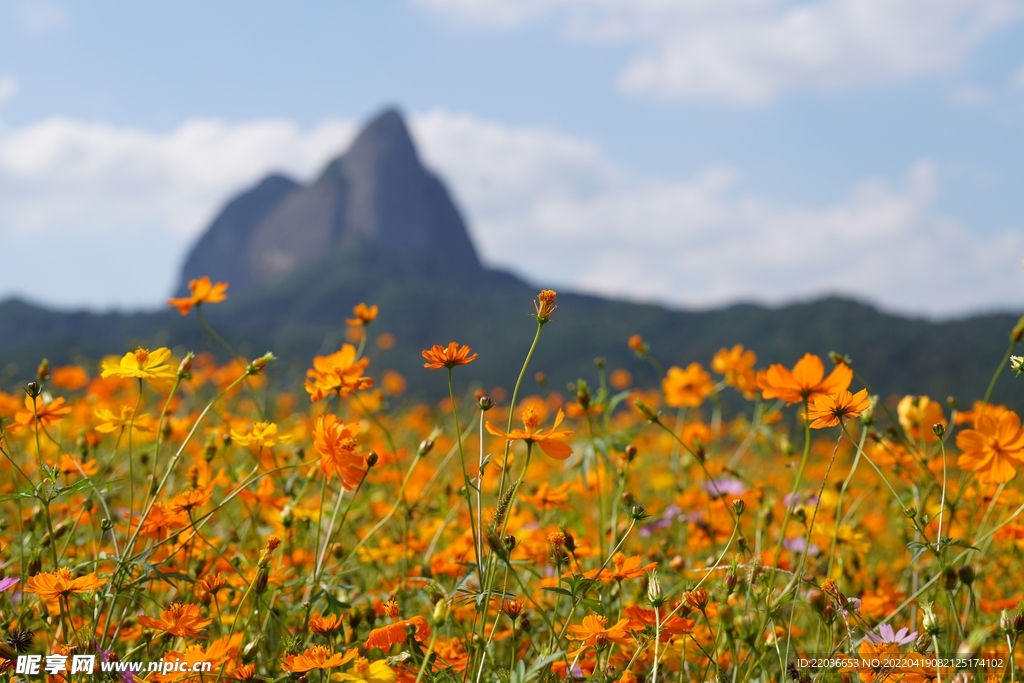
91 213
8 89
43 16
749 51
81 192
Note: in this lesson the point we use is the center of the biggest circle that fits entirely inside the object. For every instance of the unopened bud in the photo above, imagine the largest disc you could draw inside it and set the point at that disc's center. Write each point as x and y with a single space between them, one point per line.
738 506
966 574
371 459
185 366
647 411
32 389
441 611
43 371
484 403
630 452
1018 330
938 429
654 594
257 366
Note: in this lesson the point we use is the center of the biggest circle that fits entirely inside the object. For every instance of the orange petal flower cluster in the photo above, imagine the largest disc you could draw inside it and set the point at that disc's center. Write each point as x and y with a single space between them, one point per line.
59 584
386 636
180 619
43 414
993 449
203 291
317 657
364 315
622 568
340 373
917 416
438 356
549 442
805 381
737 365
593 631
829 410
686 388
336 443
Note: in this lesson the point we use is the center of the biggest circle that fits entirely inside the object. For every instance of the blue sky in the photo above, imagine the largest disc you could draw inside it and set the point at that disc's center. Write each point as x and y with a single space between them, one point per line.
694 152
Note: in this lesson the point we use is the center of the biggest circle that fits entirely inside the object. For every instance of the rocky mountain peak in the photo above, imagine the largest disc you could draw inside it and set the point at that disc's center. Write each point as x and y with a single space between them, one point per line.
378 193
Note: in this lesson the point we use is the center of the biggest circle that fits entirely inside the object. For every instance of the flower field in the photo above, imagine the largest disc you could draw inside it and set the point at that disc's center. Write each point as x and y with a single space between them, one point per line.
742 522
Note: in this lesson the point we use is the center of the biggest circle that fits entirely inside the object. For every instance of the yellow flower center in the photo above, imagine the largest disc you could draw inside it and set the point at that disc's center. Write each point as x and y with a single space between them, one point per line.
618 559
141 356
361 667
531 418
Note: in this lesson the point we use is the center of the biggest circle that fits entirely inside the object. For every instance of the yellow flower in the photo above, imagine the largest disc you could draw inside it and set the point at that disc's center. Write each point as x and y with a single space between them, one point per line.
151 366
262 435
111 422
364 671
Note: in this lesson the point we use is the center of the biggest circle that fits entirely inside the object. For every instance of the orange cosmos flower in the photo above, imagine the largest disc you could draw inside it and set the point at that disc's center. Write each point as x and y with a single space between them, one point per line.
917 415
364 315
438 357
322 625
187 501
337 445
686 388
70 377
737 364
671 626
828 411
806 380
180 620
150 366
592 631
383 638
59 584
625 568
203 292
44 414
317 657
992 448
547 498
548 442
339 373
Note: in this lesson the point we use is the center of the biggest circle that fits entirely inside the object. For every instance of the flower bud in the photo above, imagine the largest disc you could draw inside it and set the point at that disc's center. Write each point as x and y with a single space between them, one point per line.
929 620
262 576
654 594
1018 330
817 600
43 371
938 429
696 598
966 574
583 394
441 611
32 389
738 506
949 578
371 459
630 452
257 366
484 403
185 366
647 411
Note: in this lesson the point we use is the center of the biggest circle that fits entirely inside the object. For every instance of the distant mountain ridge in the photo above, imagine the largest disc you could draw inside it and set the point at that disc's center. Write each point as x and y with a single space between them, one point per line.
376 226
378 193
